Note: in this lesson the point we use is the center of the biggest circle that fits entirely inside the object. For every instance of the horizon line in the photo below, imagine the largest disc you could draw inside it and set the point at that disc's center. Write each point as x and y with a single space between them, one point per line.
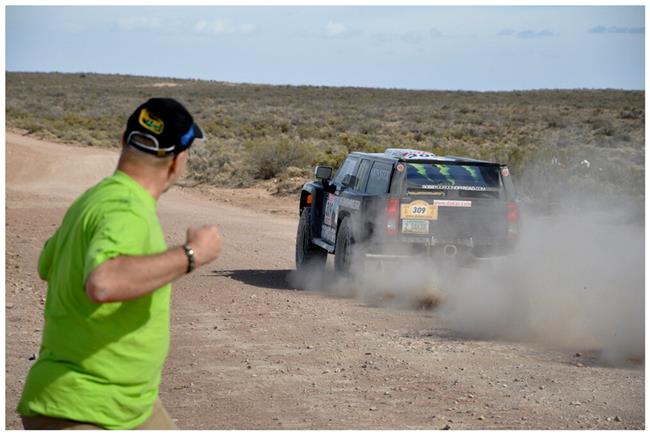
330 86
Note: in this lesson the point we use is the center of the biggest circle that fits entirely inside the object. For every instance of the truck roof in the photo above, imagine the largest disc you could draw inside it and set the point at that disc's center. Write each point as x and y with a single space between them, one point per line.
406 155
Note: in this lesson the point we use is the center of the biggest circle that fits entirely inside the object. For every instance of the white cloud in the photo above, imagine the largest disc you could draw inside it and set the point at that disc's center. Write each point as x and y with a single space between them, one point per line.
218 27
139 23
334 29
331 30
533 34
614 29
527 34
412 37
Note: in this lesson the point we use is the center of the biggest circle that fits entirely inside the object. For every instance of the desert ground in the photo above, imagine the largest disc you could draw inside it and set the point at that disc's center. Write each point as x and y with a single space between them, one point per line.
249 351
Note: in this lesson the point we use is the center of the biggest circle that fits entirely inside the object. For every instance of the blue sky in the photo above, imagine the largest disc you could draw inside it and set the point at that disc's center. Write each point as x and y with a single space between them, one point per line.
419 47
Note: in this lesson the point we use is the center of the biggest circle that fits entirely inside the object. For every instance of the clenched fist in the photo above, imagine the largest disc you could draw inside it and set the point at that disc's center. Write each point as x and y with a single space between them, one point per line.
206 242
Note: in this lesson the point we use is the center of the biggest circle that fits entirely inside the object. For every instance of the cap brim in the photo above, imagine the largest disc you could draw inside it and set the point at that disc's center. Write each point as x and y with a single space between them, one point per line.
185 141
198 132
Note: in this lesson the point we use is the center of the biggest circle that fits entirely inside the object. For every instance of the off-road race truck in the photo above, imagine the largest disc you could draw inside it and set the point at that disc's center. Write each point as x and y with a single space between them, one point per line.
403 203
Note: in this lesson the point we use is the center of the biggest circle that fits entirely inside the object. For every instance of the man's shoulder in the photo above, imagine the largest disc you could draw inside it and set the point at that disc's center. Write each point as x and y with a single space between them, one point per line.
115 189
111 195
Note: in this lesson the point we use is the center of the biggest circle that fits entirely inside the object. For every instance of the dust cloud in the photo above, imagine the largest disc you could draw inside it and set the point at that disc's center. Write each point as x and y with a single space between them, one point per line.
575 281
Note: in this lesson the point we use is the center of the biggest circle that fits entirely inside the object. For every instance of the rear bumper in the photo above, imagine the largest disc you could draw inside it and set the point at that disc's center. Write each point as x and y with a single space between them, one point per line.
429 247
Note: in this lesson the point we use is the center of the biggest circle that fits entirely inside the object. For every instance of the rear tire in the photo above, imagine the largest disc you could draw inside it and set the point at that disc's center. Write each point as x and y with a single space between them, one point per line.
344 251
307 254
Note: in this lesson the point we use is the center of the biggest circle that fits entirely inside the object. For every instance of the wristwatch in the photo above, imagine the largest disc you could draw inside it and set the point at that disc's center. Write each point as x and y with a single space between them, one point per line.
190 257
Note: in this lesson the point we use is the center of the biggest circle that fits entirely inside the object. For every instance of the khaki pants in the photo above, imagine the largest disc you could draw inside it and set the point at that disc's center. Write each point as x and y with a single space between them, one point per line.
159 420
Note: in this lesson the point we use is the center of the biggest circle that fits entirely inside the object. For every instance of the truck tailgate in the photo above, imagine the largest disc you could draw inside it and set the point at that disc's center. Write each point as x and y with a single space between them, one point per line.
483 220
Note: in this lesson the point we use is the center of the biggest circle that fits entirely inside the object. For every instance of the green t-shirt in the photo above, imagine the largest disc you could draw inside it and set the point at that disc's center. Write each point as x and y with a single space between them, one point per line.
100 363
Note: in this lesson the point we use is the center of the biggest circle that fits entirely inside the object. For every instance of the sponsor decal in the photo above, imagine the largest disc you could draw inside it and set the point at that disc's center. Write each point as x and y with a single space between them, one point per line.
451 187
451 203
400 167
329 209
328 233
505 172
331 214
418 154
405 153
150 122
354 204
419 209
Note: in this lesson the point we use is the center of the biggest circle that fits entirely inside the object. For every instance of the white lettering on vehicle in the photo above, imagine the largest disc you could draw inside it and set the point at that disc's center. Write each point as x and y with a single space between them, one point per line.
330 217
451 203
451 187
329 205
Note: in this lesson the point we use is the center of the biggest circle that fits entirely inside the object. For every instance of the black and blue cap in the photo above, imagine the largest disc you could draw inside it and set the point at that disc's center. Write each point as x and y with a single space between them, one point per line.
162 127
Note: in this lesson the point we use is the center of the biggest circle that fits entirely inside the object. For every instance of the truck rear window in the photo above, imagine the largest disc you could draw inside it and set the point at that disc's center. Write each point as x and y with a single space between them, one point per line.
436 176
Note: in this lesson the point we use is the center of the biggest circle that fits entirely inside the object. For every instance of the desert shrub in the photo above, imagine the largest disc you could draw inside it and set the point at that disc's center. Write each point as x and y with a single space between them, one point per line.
30 125
217 163
455 133
554 120
219 128
307 131
270 157
353 141
631 113
517 159
332 156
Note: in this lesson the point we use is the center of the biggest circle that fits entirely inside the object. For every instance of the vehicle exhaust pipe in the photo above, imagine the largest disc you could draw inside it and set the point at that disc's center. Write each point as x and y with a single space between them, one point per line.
450 251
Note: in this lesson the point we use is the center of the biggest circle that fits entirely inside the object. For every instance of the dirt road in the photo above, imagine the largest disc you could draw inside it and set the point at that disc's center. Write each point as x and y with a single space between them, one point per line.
250 352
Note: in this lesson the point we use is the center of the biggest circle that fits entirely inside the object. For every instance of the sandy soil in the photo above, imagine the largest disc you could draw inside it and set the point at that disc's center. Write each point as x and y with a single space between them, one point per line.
250 352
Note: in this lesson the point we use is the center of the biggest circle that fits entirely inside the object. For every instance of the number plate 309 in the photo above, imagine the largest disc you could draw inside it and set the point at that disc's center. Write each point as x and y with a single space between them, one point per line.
419 210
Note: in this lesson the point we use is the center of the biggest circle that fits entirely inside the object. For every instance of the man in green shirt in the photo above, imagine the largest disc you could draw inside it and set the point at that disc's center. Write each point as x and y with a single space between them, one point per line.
108 269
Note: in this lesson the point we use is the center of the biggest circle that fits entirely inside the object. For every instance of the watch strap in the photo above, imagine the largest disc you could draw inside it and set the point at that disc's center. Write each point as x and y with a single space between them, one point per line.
189 252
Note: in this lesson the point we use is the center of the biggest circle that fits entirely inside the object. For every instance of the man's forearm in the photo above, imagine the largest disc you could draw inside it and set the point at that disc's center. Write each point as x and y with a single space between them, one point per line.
129 277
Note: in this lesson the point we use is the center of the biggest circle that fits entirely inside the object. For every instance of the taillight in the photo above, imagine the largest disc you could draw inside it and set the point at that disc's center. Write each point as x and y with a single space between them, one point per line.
513 213
513 220
392 216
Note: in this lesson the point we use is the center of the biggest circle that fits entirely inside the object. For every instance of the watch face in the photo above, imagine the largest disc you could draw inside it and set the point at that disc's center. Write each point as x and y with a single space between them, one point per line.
190 257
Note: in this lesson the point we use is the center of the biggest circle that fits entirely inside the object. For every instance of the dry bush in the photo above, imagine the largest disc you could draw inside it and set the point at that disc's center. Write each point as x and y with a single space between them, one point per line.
267 158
